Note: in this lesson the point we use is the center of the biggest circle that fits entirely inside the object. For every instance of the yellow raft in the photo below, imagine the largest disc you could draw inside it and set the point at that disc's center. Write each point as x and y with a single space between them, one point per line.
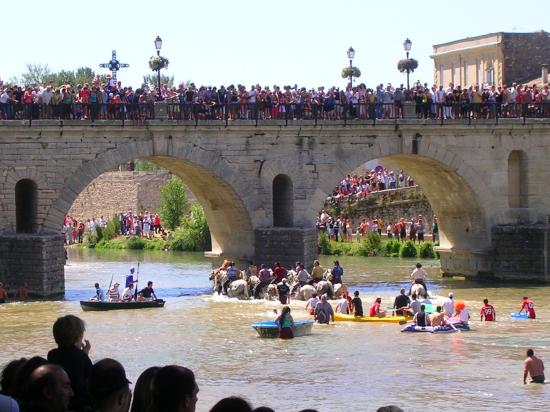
352 318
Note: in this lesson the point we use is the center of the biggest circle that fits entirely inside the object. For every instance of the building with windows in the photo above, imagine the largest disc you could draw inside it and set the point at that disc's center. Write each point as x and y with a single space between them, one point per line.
495 59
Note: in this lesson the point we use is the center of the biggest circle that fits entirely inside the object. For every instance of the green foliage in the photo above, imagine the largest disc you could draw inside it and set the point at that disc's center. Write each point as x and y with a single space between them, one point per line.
426 250
135 242
193 235
408 249
119 243
112 229
154 244
370 245
39 74
141 165
152 80
173 203
90 240
323 243
392 247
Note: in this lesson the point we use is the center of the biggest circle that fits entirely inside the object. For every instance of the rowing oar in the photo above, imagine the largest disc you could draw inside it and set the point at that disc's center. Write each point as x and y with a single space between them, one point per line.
110 283
137 281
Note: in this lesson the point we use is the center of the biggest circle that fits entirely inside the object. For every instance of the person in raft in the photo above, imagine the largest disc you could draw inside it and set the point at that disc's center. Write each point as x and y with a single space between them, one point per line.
529 308
285 322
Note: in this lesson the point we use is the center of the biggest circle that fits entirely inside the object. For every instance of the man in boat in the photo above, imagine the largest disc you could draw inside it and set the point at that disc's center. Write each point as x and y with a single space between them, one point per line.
232 273
128 294
419 276
437 318
375 310
401 303
147 294
487 312
99 295
130 277
357 304
114 293
449 305
533 367
421 318
323 311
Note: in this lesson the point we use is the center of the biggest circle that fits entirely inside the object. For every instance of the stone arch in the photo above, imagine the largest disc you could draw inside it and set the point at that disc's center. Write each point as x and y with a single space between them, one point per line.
26 206
517 179
283 201
213 180
454 189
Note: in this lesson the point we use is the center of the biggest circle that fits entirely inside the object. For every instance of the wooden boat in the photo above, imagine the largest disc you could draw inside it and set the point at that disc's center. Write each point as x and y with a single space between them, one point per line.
94 305
387 319
271 329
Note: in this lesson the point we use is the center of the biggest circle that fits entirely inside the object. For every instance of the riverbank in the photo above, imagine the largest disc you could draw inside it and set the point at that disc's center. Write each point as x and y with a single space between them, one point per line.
374 245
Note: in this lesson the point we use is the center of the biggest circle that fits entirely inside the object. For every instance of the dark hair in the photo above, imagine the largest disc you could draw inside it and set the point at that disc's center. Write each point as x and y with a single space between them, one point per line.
356 293
142 400
422 307
96 285
486 301
67 330
232 404
263 409
530 352
45 376
285 311
107 380
8 375
438 309
418 265
171 384
20 388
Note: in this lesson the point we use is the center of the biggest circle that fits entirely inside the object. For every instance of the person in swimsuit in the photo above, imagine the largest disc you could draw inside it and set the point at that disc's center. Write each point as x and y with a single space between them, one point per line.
533 367
421 318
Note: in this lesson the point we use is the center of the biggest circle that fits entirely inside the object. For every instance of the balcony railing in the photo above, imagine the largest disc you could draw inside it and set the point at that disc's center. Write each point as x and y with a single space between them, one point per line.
284 113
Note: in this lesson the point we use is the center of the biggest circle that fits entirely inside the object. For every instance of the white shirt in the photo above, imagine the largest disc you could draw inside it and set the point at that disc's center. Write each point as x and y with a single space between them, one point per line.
342 306
419 273
449 307
312 302
128 294
303 276
464 316
4 97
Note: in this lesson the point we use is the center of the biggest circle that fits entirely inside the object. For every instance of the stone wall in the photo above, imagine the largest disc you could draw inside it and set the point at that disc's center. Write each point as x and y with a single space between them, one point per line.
115 192
524 53
285 245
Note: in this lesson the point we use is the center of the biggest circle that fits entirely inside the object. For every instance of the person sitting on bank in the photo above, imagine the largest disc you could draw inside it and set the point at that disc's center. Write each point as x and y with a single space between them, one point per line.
147 294
99 295
421 318
114 293
533 367
312 303
357 304
437 318
232 274
128 294
375 310
323 311
419 276
401 303
285 322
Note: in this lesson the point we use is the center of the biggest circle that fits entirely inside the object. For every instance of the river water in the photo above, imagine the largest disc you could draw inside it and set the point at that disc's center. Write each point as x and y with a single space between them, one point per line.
339 367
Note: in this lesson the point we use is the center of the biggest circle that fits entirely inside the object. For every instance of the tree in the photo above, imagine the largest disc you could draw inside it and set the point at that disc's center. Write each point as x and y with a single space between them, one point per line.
35 74
173 202
152 80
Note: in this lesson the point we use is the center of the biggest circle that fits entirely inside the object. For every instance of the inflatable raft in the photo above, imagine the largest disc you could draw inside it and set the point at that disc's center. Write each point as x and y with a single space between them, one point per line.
435 329
517 315
352 318
270 329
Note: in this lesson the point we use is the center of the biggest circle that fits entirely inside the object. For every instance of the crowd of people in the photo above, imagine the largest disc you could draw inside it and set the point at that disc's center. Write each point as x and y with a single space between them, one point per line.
111 100
67 380
144 224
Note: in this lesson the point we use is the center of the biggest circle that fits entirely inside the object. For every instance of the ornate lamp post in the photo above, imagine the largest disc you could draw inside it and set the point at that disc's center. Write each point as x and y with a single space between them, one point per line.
351 55
158 46
407 44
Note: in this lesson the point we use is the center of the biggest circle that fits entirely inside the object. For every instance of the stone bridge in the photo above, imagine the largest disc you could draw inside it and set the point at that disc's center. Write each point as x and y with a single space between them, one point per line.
262 185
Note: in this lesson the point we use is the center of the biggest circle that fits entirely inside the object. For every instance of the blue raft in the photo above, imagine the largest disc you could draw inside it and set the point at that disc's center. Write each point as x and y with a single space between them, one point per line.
436 329
270 329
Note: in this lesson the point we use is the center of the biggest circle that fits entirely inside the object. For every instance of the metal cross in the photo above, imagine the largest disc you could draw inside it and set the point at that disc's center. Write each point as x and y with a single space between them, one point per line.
114 65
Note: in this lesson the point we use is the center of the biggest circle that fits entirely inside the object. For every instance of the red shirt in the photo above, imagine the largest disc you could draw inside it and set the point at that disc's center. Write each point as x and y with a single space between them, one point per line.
488 312
529 307
279 273
374 309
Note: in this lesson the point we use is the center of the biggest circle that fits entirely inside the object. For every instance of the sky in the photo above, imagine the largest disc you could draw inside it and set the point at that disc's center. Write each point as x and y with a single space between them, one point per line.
214 42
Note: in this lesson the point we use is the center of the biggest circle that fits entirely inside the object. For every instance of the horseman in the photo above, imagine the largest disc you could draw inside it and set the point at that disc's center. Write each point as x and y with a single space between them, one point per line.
419 276
265 279
317 272
232 273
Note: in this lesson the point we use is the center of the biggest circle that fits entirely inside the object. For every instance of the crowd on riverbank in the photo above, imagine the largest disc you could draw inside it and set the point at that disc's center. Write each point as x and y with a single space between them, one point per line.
111 100
67 380
143 224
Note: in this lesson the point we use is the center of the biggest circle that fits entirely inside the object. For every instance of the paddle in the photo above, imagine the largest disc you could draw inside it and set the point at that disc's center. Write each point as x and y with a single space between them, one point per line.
110 283
137 281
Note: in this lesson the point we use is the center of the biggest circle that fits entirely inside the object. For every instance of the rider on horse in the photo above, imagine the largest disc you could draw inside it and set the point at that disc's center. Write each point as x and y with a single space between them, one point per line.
419 276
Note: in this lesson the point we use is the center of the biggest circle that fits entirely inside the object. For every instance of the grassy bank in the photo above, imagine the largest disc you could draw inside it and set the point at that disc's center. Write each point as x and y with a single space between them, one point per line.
374 245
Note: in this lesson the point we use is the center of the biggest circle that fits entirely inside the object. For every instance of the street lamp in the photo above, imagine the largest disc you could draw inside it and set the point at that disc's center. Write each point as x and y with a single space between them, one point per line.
158 46
407 44
351 55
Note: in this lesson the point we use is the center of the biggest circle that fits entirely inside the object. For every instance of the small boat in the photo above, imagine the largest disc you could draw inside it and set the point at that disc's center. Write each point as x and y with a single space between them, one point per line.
437 329
270 329
94 305
342 317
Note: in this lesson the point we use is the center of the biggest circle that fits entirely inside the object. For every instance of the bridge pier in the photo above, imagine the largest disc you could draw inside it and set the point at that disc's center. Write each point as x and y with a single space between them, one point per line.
467 263
36 259
287 245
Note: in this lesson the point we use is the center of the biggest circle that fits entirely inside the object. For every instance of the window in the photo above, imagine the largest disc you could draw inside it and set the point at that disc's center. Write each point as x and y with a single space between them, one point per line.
26 205
283 201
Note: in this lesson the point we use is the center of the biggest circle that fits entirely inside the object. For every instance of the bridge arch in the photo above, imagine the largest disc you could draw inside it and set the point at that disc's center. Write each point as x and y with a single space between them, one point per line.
283 201
212 180
452 188
26 206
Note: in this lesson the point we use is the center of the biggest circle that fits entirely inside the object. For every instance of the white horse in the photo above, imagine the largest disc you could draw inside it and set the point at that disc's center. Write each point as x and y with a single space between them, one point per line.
305 292
418 289
238 289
